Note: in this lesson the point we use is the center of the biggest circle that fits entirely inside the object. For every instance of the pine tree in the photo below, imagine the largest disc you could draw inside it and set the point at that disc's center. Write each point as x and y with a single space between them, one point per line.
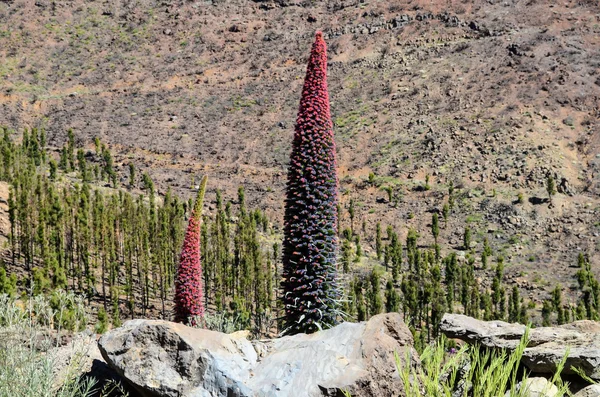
550 186
188 284
445 213
378 244
546 312
359 300
374 294
346 255
435 227
451 195
70 152
358 249
352 213
63 163
392 299
487 252
467 238
394 253
131 175
451 276
310 243
514 306
498 291
53 169
427 185
438 304
82 164
557 304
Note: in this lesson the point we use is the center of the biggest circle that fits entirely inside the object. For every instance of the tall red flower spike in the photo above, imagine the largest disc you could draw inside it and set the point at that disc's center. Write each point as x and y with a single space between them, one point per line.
310 245
189 291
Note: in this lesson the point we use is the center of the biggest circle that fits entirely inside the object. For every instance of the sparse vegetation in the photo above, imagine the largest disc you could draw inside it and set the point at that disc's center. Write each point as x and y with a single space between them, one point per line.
29 355
470 371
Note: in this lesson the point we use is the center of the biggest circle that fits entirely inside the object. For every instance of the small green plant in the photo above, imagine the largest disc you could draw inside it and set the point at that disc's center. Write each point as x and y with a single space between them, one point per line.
489 373
68 311
102 324
8 285
359 251
467 238
435 227
446 213
371 179
28 354
427 185
390 192
224 322
520 198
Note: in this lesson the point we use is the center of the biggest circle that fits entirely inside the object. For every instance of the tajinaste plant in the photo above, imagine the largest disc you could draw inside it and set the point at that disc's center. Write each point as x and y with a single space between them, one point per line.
189 291
310 245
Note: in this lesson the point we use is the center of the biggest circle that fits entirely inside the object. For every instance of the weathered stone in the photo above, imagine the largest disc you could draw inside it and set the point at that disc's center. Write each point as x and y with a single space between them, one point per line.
535 387
161 358
590 391
546 347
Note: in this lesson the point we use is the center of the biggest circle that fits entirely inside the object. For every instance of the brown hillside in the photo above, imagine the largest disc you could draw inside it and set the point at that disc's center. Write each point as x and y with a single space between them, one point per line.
491 95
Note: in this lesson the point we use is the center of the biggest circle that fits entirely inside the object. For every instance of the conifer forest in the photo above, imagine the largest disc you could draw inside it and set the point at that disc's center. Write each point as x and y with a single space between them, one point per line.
130 250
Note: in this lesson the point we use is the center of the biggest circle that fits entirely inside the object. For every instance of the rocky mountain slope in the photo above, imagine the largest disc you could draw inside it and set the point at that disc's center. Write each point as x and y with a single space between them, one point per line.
493 96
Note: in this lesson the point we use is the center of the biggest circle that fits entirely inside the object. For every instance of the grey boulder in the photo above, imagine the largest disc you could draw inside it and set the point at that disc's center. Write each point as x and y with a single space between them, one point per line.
547 345
590 391
535 387
161 358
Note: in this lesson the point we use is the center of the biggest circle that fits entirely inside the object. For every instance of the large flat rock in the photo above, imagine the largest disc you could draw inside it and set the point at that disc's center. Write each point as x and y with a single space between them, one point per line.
161 358
546 347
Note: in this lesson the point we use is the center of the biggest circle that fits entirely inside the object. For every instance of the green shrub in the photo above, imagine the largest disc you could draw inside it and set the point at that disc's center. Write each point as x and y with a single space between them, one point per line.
69 311
371 178
27 360
470 371
102 324
41 282
8 285
224 322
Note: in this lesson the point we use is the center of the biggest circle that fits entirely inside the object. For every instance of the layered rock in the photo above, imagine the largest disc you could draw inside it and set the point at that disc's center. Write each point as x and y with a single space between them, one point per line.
161 358
547 345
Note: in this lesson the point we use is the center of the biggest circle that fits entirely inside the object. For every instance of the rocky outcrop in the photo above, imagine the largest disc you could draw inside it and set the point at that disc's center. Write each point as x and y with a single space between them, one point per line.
546 347
161 358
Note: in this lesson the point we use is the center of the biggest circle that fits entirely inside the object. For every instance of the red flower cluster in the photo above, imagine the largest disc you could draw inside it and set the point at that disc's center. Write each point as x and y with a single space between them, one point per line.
189 291
310 242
